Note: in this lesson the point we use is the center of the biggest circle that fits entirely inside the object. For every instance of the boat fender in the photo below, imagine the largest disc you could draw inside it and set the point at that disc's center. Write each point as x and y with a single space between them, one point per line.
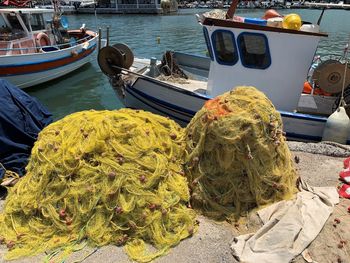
42 40
307 88
85 45
74 53
337 127
271 13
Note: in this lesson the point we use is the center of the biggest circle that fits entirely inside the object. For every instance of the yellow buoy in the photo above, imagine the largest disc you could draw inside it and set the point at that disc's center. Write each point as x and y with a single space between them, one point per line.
292 21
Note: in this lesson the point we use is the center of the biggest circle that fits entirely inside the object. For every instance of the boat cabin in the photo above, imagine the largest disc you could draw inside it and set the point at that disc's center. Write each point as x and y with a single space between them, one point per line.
19 27
274 59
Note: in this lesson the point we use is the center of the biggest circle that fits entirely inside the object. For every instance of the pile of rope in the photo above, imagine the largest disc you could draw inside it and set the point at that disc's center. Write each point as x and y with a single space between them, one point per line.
237 157
170 70
98 178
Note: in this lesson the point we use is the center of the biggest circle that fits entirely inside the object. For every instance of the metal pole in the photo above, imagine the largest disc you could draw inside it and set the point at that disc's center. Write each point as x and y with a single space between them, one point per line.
99 38
107 43
232 9
342 101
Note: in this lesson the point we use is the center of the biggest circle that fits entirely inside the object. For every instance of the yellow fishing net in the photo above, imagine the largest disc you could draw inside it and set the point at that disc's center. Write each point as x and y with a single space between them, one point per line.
237 158
101 177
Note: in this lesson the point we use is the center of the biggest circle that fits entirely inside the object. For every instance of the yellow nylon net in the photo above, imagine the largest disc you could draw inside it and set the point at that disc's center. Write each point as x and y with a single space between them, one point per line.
101 177
237 158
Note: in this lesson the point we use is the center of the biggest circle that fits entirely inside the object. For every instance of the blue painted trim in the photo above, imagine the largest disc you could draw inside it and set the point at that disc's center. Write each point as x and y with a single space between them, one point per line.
179 110
286 114
167 105
130 91
171 107
303 116
213 39
207 41
37 71
42 61
240 38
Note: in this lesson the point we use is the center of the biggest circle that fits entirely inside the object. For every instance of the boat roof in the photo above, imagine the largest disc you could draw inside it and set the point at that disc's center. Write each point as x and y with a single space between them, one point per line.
26 10
208 21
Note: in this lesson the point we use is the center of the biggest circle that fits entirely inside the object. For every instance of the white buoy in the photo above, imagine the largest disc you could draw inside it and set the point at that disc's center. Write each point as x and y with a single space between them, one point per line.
337 127
338 123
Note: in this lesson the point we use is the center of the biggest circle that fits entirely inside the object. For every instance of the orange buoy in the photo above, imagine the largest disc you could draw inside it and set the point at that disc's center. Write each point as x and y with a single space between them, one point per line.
271 13
307 87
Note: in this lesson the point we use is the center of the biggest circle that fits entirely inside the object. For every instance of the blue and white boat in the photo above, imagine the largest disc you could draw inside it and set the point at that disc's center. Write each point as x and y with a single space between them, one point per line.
36 46
241 53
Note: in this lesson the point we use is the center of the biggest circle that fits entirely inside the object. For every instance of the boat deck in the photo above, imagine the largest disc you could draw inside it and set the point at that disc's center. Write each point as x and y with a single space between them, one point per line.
189 84
140 66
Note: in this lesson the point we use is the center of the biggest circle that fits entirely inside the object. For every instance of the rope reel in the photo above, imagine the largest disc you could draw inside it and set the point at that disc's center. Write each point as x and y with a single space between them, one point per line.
329 76
119 55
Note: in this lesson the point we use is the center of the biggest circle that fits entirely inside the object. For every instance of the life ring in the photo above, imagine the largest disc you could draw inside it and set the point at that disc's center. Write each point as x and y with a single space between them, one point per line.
42 40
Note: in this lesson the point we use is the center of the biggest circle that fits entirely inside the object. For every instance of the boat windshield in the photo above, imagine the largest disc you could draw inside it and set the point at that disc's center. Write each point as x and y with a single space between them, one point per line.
15 23
4 29
37 22
11 28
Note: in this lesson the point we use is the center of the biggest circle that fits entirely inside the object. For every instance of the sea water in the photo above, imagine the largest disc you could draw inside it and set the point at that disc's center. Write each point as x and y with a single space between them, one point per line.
87 87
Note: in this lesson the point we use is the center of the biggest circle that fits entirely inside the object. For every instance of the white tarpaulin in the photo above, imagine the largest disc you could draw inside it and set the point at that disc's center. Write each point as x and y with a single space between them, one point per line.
289 226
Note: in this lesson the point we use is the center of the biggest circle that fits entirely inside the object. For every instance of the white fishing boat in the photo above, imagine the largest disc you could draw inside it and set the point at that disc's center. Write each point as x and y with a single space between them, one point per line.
36 46
250 52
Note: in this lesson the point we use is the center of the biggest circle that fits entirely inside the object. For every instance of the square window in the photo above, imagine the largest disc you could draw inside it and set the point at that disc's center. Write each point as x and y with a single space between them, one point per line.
254 50
224 47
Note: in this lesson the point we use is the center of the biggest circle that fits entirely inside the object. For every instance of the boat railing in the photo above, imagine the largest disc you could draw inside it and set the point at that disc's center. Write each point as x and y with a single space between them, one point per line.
57 46
9 36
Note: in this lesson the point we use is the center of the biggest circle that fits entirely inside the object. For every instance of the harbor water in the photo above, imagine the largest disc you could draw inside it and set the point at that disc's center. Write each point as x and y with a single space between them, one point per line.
87 88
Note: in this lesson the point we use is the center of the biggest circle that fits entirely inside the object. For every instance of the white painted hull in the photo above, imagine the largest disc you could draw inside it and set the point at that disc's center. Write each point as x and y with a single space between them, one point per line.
181 106
27 70
29 80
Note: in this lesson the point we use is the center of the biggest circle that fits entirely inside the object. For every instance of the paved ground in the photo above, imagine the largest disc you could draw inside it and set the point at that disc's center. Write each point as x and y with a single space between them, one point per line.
212 242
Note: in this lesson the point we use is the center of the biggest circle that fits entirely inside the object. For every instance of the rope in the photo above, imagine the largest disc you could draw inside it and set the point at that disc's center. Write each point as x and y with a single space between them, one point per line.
342 101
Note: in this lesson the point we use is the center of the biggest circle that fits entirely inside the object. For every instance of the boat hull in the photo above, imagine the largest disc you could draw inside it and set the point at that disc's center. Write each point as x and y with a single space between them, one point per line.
28 70
181 105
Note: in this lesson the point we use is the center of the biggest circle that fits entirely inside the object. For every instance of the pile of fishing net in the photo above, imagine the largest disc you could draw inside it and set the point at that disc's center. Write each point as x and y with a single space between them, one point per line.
97 178
237 157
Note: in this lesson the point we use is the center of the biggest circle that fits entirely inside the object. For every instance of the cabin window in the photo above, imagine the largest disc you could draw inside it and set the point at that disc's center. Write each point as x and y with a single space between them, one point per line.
2 22
224 47
14 22
37 22
207 41
254 50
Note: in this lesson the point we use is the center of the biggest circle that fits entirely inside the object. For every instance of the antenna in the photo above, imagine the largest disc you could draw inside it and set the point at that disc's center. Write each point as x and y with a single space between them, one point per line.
321 15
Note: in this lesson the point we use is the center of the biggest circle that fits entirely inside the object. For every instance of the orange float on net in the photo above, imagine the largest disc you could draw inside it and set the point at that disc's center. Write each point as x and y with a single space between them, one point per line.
216 108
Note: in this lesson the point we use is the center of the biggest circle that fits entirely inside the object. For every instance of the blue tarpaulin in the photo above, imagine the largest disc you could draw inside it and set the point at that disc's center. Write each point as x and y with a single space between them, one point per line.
22 117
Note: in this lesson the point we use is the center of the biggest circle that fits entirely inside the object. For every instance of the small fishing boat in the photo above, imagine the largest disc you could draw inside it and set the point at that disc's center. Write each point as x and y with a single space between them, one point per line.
36 46
264 53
